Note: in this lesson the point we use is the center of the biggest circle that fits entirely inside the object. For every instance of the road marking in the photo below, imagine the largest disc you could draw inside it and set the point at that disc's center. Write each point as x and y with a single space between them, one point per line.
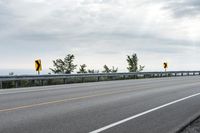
141 114
103 93
64 100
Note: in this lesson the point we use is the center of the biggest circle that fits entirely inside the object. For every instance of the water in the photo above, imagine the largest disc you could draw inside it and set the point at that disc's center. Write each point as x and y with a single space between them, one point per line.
21 72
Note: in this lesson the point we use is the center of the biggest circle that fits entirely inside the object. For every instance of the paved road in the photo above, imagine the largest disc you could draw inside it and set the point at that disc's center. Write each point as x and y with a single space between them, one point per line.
130 106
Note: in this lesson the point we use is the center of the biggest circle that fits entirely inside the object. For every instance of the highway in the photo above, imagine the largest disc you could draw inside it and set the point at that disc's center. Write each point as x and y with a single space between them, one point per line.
158 105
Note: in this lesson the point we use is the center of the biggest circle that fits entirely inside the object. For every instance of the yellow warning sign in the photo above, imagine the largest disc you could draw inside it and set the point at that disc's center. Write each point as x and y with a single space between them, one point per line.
165 65
38 65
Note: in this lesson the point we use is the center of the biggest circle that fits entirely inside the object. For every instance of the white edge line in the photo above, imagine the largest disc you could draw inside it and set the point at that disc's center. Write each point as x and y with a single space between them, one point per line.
141 114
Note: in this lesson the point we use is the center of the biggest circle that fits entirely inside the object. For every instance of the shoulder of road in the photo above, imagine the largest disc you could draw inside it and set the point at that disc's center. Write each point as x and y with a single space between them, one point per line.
193 127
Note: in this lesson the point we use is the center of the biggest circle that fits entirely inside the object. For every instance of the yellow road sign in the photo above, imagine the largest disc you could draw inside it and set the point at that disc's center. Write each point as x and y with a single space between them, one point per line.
38 65
165 65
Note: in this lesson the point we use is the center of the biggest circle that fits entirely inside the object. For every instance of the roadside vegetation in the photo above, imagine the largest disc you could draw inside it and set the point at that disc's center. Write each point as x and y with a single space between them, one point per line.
67 66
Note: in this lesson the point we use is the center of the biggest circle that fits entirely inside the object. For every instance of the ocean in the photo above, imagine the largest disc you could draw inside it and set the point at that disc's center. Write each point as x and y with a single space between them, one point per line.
5 72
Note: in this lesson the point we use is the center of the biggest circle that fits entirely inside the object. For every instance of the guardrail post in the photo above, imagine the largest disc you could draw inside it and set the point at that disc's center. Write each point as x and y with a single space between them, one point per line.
1 85
16 84
157 75
32 82
136 76
66 80
42 82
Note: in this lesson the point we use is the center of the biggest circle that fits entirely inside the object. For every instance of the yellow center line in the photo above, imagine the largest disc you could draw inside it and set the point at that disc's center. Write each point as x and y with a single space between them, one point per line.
62 100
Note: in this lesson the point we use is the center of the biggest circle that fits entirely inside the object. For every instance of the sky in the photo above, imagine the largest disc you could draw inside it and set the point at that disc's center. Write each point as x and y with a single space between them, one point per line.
99 32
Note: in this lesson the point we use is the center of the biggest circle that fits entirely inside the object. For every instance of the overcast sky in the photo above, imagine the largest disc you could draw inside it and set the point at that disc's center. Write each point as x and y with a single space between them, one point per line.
100 32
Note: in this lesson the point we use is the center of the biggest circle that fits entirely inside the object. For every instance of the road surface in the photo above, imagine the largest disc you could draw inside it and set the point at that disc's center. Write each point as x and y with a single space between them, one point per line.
159 105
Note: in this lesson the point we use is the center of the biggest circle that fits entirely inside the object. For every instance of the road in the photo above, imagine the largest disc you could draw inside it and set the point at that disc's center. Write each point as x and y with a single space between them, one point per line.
159 105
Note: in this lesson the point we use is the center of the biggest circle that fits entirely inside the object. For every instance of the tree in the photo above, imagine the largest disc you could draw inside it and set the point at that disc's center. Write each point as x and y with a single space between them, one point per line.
65 66
91 71
133 64
82 69
114 70
141 68
108 70
11 73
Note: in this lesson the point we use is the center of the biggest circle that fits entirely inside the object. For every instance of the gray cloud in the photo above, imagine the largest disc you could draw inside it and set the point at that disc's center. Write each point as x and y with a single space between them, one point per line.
93 29
184 8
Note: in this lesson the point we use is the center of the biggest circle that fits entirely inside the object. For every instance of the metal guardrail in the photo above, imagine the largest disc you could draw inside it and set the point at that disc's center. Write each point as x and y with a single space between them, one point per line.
15 80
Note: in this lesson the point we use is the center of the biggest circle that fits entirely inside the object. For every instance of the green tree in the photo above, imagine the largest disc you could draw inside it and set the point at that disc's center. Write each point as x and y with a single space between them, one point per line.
108 70
141 68
11 73
82 69
133 64
114 70
91 71
65 66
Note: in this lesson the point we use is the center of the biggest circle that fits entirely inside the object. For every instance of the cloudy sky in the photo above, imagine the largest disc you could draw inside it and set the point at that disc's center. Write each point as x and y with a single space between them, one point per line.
100 32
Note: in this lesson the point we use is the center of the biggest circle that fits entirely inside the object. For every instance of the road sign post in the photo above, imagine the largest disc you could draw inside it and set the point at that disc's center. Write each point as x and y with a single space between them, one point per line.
38 66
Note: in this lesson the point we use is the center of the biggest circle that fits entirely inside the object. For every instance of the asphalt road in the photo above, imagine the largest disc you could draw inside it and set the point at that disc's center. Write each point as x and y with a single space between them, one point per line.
130 106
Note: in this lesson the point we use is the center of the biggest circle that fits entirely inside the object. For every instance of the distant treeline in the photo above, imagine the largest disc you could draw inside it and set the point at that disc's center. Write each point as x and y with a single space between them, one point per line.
67 66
